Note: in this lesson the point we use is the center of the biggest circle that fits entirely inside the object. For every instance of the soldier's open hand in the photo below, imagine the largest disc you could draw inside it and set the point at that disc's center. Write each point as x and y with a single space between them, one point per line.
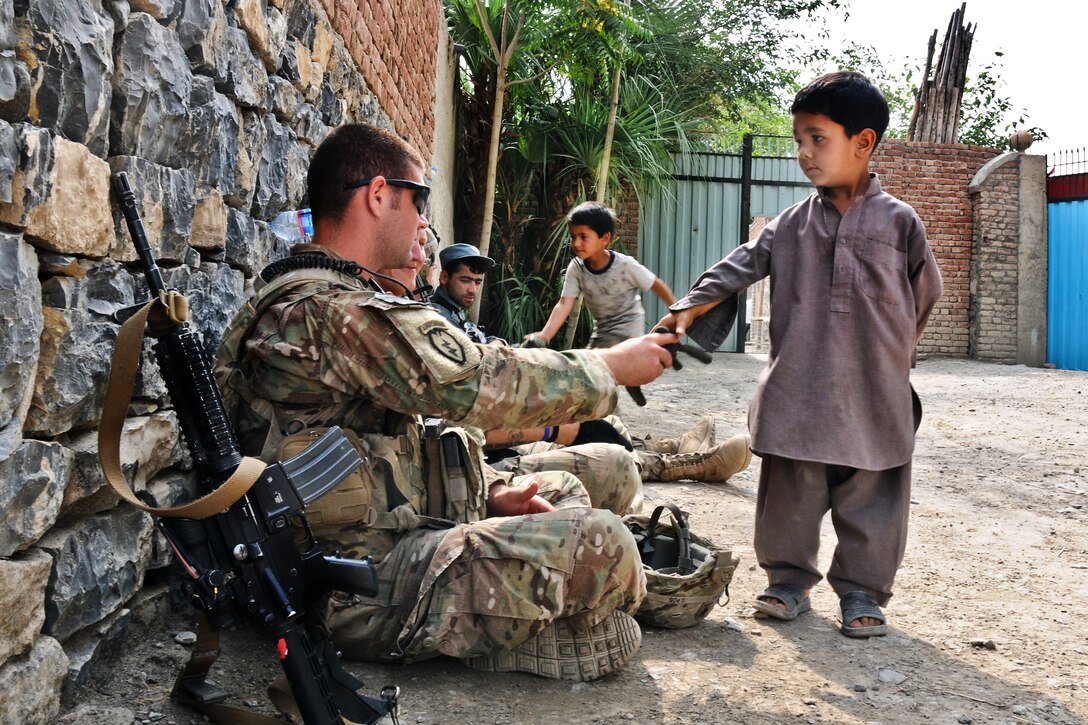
503 500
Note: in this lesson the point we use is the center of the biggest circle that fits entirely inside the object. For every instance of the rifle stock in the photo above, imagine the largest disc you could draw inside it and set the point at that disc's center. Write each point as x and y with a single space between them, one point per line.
245 564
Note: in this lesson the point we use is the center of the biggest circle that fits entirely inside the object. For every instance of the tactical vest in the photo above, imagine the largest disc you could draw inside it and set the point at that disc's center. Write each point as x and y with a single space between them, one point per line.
388 494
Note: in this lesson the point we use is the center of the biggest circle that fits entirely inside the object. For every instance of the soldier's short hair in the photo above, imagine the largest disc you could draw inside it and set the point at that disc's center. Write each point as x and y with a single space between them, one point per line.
353 152
849 99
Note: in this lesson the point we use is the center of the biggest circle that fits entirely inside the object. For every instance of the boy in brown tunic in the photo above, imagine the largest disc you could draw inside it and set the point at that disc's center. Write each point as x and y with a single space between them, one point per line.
833 417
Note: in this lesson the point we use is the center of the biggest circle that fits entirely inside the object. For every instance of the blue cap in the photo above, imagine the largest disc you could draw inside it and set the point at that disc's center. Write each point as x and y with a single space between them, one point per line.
458 252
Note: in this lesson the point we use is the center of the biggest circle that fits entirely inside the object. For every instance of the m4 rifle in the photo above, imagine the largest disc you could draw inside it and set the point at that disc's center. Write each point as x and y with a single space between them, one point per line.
244 560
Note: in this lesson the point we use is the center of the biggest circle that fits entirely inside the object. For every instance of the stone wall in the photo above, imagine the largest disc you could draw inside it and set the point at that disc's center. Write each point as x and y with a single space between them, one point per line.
994 266
1009 260
213 108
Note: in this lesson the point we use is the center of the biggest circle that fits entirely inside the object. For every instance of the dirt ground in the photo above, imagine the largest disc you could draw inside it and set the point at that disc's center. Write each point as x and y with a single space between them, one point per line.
987 624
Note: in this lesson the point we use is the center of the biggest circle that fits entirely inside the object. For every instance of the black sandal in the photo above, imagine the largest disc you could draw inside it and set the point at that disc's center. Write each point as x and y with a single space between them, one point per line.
859 605
791 595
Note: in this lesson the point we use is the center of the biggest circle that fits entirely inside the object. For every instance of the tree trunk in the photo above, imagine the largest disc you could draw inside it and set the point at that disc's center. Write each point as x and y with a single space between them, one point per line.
602 188
492 173
472 167
492 163
609 134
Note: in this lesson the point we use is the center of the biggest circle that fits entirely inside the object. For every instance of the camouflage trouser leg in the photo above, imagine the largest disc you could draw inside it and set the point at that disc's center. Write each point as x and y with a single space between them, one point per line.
498 582
609 472
651 465
495 583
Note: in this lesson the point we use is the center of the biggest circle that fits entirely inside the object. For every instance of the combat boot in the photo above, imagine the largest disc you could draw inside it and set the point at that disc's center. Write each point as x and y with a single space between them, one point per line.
699 438
560 652
712 466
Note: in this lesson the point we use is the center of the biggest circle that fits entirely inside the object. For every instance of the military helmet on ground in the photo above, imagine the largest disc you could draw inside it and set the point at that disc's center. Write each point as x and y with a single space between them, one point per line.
686 574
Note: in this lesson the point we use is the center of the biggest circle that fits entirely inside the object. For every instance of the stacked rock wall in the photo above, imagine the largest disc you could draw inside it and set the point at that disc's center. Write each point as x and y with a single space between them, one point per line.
213 108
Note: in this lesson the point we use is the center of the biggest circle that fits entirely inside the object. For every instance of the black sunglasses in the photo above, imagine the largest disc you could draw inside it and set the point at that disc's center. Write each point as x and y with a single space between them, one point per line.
419 195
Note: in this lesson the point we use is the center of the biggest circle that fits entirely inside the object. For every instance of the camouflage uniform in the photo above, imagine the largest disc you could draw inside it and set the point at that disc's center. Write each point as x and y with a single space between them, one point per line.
330 350
612 474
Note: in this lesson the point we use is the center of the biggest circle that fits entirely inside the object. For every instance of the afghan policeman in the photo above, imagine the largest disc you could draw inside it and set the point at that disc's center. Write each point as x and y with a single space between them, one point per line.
459 285
506 573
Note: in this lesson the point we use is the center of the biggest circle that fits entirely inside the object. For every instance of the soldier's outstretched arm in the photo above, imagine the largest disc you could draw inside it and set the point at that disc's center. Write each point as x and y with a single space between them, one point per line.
639 360
406 357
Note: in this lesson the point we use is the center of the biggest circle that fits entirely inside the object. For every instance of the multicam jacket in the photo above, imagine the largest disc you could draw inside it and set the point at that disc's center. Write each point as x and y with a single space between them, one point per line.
319 347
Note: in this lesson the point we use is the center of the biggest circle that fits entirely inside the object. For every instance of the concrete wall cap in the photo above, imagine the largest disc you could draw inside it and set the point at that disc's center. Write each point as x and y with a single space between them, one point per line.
990 167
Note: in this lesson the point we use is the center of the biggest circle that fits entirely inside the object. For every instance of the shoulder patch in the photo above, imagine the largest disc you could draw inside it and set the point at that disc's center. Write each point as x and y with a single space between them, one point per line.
445 352
445 341
386 301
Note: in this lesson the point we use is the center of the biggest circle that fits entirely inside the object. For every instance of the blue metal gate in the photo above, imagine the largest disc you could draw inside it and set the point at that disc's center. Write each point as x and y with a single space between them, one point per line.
1067 263
705 212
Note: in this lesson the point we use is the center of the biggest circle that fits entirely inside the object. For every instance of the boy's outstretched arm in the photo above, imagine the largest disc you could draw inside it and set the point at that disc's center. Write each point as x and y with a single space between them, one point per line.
678 321
557 318
662 290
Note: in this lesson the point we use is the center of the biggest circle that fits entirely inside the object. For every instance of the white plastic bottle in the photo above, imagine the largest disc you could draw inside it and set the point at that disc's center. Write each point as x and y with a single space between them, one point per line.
293 226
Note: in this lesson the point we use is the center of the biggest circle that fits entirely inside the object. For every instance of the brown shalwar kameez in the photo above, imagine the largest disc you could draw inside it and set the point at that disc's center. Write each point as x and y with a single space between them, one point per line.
850 297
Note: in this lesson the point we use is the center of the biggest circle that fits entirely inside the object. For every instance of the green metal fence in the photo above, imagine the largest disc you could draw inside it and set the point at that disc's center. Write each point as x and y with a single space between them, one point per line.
705 212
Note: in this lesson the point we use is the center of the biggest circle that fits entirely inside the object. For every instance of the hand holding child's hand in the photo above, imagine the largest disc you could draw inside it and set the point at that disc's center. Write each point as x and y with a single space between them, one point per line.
679 321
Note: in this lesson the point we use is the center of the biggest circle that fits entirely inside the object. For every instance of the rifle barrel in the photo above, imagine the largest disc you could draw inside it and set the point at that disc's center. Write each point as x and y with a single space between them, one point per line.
135 225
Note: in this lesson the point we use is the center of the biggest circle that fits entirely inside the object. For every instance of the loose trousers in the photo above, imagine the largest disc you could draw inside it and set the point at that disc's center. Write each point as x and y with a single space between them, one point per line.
869 511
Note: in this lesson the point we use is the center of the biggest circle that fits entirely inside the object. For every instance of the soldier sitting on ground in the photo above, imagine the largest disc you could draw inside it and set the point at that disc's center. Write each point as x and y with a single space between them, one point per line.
578 447
501 572
603 464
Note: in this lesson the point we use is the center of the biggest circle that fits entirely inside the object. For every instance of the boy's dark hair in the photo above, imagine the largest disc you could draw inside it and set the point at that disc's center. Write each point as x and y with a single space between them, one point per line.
847 98
353 152
594 215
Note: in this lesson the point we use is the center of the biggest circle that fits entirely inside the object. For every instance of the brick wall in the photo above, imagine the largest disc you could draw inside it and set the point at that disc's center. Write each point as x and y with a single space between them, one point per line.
627 212
995 267
392 43
933 178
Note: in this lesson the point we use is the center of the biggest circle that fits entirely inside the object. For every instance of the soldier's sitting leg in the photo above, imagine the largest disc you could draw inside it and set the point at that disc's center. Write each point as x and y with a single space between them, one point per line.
503 586
715 465
699 437
608 472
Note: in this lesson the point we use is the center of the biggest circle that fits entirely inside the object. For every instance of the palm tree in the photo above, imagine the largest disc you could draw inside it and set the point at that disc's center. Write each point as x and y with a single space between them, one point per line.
577 99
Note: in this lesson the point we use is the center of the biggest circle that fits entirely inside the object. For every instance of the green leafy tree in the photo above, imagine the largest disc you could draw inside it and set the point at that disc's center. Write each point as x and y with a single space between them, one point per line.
593 105
509 43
